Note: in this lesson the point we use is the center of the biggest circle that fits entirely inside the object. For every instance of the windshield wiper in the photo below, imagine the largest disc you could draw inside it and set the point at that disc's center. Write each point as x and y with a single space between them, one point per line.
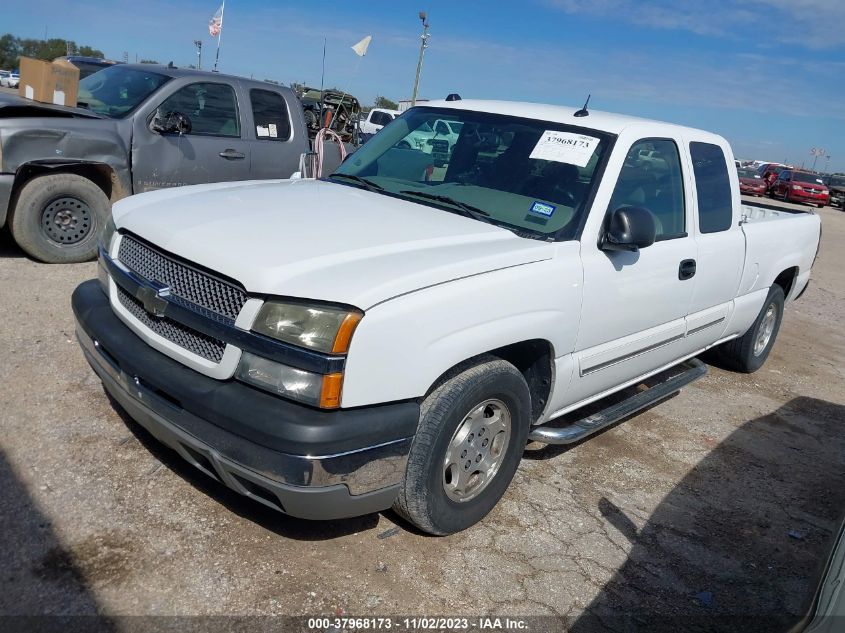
368 184
467 209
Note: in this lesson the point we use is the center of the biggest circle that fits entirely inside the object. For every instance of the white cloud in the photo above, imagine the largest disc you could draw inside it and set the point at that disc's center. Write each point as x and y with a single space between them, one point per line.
814 24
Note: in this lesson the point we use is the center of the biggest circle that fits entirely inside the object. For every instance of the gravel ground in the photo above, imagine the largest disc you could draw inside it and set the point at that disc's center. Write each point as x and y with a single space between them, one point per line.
722 501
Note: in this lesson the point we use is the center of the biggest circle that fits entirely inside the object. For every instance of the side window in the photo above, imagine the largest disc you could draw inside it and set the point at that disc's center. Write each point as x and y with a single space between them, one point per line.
270 113
652 178
212 108
713 187
380 118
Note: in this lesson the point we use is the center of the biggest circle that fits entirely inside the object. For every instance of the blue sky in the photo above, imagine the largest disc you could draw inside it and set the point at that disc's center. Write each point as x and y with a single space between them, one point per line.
767 74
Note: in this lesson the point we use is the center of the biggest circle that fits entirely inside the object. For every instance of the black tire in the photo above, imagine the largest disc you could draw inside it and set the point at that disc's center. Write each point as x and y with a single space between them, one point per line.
57 218
738 354
423 499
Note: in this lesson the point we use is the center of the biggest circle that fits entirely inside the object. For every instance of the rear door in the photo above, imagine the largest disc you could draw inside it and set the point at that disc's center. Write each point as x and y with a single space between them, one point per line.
276 138
719 238
213 151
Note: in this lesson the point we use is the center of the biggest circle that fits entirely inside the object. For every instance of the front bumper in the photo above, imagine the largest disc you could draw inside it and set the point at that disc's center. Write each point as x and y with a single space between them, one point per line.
803 196
304 462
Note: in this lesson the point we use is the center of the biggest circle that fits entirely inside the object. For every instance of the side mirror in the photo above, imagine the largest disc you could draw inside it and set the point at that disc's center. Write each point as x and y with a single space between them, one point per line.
171 123
629 229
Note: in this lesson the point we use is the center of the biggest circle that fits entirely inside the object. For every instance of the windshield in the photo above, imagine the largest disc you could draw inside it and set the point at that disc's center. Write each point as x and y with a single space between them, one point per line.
535 177
837 181
117 90
748 173
799 176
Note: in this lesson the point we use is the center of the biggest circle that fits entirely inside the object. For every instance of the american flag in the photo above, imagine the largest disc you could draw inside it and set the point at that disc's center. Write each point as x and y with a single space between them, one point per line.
215 24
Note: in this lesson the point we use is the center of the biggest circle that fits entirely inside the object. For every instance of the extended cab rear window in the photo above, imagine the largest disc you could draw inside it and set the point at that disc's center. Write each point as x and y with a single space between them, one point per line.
270 115
713 187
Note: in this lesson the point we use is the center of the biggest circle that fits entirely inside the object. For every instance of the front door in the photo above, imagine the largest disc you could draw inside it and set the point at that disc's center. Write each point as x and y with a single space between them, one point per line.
213 151
635 304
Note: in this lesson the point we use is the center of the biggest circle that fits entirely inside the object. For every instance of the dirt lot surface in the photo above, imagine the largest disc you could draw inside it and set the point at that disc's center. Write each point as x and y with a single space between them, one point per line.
721 501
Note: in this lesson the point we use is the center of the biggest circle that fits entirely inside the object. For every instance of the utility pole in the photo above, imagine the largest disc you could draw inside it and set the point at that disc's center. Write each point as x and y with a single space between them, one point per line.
198 44
423 45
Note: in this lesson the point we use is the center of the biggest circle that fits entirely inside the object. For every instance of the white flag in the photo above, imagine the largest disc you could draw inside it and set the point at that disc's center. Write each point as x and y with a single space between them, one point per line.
361 47
215 24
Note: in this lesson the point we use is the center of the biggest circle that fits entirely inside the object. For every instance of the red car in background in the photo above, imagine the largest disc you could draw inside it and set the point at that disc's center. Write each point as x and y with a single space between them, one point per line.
800 186
751 183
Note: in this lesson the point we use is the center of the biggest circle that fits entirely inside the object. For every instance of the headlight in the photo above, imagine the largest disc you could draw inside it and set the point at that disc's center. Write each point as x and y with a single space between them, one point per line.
105 241
321 328
315 389
107 234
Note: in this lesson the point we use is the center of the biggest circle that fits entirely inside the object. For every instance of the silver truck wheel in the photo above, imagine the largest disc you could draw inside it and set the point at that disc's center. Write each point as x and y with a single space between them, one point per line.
471 435
748 352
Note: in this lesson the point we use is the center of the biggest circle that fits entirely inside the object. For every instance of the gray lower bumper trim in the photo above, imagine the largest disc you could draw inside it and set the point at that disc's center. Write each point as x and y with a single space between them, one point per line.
375 472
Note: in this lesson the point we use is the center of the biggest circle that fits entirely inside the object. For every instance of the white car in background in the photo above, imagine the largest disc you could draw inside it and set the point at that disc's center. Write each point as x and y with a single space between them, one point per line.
9 79
376 119
436 139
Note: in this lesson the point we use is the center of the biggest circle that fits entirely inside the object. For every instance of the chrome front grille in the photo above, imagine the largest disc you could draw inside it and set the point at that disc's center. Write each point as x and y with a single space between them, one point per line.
195 342
200 288
216 298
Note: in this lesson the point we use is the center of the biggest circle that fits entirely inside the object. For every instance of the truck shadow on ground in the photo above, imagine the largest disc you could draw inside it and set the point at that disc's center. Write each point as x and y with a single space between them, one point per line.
41 577
249 509
741 542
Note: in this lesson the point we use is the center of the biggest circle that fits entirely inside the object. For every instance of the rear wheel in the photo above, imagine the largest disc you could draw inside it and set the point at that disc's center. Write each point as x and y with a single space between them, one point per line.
748 352
470 439
58 217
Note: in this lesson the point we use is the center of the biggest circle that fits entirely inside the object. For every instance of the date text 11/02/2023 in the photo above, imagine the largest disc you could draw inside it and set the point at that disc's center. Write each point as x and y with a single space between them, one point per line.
486 623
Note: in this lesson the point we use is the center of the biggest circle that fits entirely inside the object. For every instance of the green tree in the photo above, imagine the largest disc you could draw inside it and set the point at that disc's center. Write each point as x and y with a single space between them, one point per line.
387 104
12 48
87 51
148 61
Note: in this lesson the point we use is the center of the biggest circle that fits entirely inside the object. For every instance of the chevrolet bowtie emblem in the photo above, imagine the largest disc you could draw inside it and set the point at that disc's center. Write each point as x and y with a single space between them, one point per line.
153 299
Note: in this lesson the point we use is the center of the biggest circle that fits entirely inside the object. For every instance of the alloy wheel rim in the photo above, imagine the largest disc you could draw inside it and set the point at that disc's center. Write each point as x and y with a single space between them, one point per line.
764 333
66 221
476 451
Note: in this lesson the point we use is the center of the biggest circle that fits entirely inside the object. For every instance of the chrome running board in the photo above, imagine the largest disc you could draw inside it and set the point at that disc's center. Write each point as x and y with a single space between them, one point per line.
651 391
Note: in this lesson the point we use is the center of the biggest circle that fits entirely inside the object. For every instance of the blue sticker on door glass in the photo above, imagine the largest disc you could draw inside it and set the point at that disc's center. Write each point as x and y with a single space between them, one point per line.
541 208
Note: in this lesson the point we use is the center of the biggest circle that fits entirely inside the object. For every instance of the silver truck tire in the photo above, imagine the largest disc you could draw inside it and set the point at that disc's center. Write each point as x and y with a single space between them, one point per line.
472 432
57 218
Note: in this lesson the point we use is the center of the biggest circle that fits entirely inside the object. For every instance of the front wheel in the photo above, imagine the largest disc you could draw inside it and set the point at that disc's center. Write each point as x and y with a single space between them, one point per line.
472 432
58 217
748 352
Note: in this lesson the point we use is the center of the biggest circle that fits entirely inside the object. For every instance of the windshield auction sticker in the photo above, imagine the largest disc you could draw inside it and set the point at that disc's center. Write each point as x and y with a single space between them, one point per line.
565 147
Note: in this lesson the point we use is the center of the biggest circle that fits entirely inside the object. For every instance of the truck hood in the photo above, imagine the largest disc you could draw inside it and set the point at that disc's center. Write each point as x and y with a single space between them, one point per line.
321 240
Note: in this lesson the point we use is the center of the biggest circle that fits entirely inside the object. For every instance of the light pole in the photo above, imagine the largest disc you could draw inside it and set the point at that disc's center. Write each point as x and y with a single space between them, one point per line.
198 44
423 45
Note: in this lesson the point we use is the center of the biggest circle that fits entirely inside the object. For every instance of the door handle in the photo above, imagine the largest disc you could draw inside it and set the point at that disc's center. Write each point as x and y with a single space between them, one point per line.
687 269
230 154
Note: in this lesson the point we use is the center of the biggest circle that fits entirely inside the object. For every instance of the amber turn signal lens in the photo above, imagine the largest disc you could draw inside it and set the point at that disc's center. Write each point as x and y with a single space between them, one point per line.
330 393
345 331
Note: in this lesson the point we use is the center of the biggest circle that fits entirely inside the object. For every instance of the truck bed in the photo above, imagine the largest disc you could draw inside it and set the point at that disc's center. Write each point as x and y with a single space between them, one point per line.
763 212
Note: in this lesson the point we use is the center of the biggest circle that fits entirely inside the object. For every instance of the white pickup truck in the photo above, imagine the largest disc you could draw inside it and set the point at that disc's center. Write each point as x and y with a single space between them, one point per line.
394 334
